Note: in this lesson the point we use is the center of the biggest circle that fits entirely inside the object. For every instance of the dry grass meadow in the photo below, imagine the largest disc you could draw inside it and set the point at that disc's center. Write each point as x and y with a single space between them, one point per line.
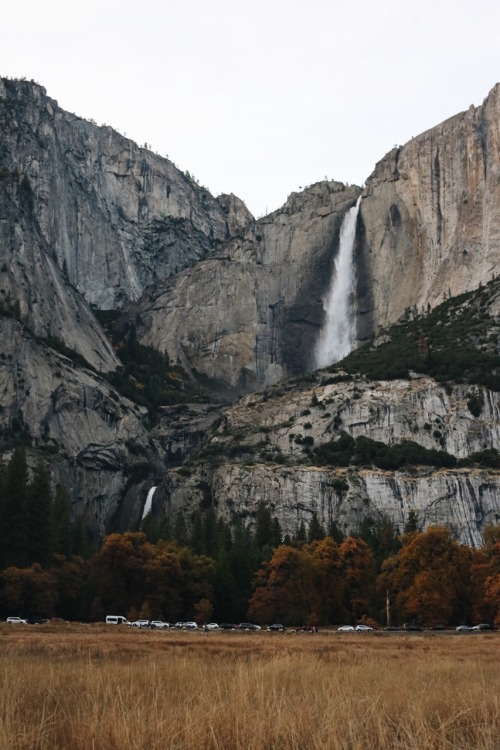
80 687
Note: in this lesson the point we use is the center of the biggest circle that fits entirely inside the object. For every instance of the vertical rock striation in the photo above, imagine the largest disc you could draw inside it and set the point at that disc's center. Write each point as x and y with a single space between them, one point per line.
430 218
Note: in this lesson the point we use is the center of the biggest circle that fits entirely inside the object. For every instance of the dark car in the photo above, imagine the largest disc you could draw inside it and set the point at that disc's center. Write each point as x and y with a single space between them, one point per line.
248 626
36 620
227 626
483 626
412 627
276 626
307 629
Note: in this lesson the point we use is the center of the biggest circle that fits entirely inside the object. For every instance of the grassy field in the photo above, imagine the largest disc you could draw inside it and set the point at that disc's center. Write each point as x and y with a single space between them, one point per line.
80 687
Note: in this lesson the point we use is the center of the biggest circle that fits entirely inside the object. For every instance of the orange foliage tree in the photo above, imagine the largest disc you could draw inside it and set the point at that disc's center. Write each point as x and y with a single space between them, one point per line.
358 572
429 580
28 591
298 586
132 576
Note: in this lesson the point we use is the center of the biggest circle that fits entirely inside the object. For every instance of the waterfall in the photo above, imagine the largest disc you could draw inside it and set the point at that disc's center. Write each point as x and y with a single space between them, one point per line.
336 338
148 503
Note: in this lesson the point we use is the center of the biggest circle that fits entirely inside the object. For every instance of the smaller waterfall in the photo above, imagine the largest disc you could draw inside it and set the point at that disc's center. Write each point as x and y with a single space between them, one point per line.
148 503
338 334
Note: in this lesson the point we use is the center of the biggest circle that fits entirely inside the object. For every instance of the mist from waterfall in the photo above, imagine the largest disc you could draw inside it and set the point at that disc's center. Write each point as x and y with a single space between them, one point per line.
337 337
148 504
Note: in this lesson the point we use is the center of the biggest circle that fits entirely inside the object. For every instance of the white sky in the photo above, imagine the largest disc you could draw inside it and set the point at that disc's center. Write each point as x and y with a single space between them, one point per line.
259 97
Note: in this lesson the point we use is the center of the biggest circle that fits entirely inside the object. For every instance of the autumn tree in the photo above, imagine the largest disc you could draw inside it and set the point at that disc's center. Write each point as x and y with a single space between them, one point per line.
286 588
357 567
29 591
429 579
329 580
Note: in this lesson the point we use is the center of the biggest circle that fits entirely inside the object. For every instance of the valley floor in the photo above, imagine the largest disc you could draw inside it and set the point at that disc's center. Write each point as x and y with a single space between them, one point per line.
92 686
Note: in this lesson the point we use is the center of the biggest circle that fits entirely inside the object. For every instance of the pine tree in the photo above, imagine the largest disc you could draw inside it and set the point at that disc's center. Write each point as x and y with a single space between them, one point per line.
61 525
315 531
180 532
14 548
39 502
263 535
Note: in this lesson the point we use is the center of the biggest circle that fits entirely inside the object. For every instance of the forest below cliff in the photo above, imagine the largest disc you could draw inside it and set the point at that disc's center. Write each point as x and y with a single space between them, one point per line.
213 569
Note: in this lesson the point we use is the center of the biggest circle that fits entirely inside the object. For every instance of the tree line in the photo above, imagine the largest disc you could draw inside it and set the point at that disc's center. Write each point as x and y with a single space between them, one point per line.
204 568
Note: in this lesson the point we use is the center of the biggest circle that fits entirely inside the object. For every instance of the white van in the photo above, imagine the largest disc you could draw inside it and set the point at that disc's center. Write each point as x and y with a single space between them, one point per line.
116 620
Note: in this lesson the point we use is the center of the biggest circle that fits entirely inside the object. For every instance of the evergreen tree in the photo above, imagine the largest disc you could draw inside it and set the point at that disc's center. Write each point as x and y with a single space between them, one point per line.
263 536
411 522
315 531
300 535
61 525
277 533
243 565
210 545
196 542
335 533
39 504
14 548
180 532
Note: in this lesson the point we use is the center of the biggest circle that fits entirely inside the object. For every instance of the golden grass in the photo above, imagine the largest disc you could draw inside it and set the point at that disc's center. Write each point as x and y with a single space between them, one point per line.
97 687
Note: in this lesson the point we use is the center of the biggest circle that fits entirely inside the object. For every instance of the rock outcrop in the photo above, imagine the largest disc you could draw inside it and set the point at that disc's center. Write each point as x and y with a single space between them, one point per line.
261 454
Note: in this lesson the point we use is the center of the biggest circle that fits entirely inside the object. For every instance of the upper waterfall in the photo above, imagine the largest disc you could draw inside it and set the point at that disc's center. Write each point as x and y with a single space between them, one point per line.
337 337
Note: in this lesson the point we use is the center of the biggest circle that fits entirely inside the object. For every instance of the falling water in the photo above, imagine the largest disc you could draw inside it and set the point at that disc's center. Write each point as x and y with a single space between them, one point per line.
148 503
338 334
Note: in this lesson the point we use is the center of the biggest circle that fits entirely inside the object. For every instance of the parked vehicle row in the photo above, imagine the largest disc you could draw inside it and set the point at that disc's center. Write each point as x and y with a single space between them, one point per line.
249 626
189 625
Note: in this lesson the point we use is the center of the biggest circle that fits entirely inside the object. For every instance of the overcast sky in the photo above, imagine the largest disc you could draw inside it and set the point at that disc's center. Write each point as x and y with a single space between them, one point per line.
259 97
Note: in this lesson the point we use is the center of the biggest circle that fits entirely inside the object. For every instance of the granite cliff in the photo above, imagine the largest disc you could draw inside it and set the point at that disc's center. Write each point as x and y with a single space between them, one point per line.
91 225
429 223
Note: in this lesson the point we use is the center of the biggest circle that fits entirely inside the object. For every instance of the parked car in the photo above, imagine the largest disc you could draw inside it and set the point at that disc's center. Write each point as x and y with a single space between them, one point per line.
140 624
159 625
228 626
211 626
483 626
363 628
179 625
412 626
345 629
16 620
463 628
391 627
276 626
306 629
36 620
248 626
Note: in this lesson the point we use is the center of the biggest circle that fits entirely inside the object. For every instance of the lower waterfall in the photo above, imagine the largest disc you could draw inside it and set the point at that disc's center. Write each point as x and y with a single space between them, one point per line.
148 503
337 337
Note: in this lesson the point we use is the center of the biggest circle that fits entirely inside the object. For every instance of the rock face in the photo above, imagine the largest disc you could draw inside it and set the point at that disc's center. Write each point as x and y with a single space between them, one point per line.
116 217
248 315
274 427
429 223
464 501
